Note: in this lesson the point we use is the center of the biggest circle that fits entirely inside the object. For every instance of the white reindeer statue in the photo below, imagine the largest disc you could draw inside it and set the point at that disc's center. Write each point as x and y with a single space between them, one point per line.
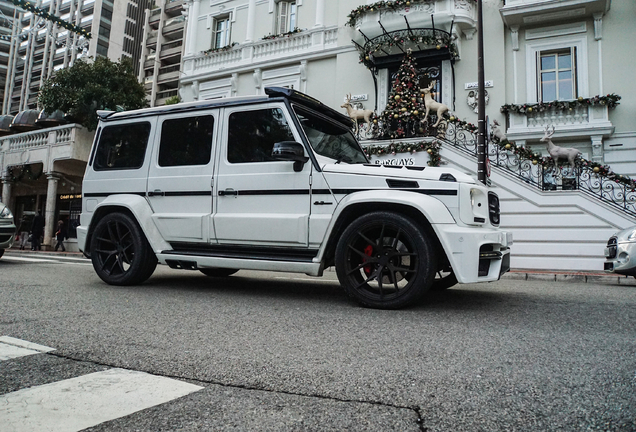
496 132
432 104
557 152
356 114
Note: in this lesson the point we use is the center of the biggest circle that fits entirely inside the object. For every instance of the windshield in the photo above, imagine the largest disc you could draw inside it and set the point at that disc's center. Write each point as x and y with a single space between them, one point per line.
330 139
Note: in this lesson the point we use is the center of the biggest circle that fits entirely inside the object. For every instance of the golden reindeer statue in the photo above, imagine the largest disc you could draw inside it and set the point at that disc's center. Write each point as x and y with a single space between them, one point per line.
356 114
432 104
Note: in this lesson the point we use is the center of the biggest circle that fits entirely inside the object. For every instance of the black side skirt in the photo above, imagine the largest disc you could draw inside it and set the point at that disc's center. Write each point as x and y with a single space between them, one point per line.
243 252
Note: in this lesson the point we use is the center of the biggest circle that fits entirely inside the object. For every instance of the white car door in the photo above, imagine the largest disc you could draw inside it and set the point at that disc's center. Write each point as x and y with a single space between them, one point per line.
180 176
259 201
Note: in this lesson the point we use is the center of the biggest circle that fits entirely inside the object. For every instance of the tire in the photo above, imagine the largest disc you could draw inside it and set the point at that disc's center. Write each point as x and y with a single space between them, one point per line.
217 271
385 261
443 280
1 252
120 252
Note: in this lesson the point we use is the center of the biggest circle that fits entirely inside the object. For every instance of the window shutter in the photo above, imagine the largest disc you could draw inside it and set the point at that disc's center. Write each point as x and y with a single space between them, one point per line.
575 73
539 83
282 17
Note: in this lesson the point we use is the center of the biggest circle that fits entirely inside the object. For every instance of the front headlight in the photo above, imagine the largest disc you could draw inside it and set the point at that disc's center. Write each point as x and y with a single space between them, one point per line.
6 213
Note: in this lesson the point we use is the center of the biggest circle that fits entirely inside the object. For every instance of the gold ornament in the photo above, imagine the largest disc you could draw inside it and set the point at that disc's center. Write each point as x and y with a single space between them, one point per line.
508 146
408 4
580 99
403 109
438 47
366 58
529 109
452 118
396 97
534 162
416 112
375 121
429 151
396 116
596 169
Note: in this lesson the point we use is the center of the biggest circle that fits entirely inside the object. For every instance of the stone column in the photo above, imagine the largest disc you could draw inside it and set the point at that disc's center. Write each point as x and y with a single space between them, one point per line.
6 190
251 21
597 148
320 13
193 23
49 215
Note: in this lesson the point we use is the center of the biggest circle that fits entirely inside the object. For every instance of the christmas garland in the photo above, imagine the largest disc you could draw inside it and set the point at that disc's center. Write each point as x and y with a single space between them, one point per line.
50 17
281 35
25 170
225 48
547 161
611 100
380 5
432 148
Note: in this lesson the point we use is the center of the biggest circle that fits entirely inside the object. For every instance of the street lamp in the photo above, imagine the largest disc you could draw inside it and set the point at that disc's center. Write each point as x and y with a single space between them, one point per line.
481 102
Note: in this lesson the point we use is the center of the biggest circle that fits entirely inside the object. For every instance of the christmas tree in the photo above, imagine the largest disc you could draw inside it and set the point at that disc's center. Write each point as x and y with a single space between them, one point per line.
405 107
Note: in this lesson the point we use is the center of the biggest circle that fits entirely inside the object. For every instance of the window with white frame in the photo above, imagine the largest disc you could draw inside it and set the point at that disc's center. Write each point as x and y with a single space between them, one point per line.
557 74
221 32
556 66
285 16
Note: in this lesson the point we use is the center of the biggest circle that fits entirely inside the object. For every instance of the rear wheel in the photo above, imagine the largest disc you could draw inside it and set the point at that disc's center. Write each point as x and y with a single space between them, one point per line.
217 271
384 260
120 252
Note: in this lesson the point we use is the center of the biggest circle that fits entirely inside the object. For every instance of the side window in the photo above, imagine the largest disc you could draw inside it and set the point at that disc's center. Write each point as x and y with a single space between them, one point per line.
186 141
122 146
252 135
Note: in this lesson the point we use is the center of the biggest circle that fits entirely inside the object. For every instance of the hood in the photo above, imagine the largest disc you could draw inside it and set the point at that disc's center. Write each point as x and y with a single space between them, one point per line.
395 171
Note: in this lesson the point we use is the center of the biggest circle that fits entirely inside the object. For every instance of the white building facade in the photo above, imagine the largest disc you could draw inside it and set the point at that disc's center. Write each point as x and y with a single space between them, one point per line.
536 52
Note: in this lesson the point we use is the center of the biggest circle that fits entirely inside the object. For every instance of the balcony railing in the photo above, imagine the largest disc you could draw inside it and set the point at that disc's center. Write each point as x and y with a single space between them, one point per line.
265 50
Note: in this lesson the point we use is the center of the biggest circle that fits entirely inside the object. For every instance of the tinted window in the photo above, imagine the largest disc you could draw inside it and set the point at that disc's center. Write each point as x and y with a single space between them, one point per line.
252 135
122 146
186 141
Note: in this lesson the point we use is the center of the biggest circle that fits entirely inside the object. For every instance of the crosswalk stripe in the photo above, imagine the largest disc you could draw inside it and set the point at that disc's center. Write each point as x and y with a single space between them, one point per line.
11 348
78 403
25 259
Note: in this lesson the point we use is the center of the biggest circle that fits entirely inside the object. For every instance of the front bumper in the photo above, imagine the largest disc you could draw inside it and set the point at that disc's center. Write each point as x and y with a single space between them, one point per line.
476 254
621 258
7 236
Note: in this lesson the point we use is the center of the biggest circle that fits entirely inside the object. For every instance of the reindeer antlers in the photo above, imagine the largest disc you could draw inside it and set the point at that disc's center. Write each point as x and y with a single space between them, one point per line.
549 134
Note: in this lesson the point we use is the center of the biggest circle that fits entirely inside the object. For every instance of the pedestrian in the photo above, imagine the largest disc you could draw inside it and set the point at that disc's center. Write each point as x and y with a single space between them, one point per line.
24 232
60 235
37 231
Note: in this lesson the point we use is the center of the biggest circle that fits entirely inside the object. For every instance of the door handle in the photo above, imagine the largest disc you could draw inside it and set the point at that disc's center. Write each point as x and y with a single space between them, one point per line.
228 192
156 192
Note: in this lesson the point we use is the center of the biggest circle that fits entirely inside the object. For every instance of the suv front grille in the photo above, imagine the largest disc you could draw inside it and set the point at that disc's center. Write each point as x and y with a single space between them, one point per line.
493 208
611 245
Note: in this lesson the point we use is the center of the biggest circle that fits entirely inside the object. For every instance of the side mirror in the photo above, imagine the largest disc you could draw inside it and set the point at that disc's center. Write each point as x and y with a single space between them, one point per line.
290 151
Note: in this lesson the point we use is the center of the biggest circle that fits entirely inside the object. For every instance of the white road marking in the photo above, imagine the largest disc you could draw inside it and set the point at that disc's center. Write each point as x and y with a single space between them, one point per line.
58 260
11 348
25 344
78 403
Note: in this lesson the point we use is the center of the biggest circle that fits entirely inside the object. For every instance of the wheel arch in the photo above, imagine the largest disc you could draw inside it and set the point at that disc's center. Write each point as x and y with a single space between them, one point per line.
420 213
135 207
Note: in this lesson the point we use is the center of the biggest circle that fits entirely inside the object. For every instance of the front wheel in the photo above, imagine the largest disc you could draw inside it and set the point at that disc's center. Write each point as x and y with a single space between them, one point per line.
384 260
120 252
443 280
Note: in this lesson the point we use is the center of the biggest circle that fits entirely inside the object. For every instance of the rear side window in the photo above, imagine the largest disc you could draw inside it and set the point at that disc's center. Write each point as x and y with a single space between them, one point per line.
186 141
252 135
122 146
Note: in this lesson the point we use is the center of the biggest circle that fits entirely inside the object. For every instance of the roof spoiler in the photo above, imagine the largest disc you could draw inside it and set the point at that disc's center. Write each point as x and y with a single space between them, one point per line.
104 114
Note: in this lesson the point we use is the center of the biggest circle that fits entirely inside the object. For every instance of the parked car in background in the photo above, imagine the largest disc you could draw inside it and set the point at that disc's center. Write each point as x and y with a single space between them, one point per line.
620 253
7 228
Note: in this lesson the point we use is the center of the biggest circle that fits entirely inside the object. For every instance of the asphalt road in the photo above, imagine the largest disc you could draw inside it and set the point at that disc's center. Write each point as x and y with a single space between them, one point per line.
278 351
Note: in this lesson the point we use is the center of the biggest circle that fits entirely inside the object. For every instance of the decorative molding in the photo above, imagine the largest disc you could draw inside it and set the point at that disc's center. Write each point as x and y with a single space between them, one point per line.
598 26
514 34
552 16
558 30
258 79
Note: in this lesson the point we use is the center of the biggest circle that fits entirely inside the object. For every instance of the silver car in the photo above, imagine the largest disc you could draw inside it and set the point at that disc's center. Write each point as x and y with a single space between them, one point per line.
7 228
620 253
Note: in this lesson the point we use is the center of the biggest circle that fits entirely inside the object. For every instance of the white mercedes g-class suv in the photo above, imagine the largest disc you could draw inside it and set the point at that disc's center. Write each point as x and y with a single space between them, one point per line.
279 182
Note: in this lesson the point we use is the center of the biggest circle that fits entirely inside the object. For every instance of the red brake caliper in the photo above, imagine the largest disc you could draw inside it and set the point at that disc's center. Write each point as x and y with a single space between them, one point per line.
368 251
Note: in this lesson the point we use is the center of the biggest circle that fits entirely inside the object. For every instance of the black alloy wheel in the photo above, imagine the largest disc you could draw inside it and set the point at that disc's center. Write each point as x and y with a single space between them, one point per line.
120 252
218 271
384 260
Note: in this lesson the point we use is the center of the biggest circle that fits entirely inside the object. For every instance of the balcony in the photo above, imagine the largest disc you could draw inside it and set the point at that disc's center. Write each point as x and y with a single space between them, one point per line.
171 49
155 14
47 145
263 51
174 7
419 14
168 74
173 28
529 12
576 122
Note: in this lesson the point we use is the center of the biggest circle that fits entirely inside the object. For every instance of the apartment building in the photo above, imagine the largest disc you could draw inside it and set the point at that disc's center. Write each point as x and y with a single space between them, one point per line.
38 47
160 62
